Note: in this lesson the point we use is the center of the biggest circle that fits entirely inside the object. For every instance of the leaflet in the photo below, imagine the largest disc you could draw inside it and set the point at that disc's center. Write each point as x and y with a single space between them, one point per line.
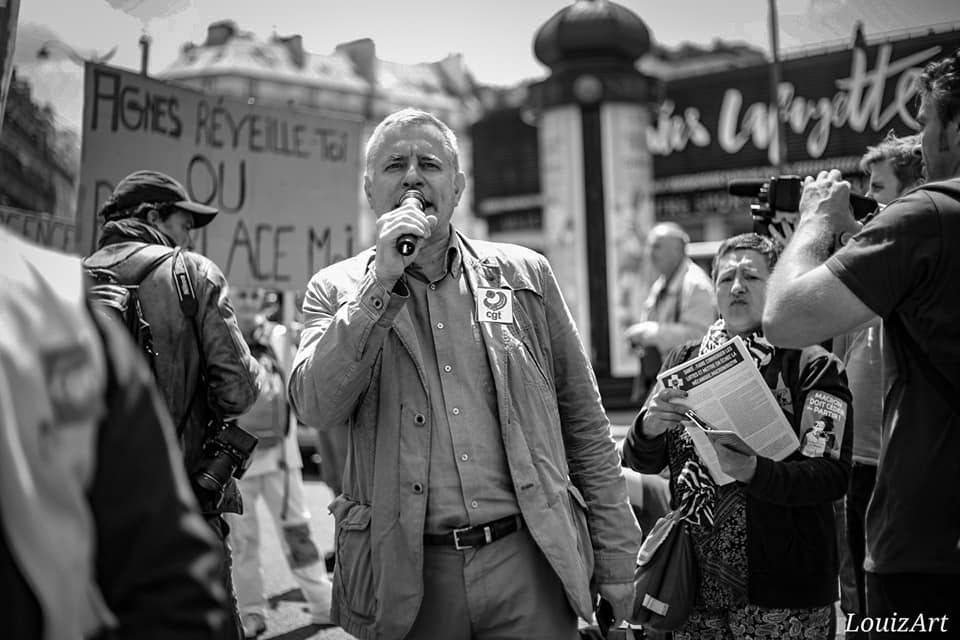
727 391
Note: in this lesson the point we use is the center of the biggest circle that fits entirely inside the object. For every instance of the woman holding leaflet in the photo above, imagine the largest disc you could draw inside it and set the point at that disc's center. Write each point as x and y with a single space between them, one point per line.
765 544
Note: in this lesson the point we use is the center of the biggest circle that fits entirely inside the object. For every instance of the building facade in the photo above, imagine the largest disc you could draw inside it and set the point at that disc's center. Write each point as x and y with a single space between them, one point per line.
350 82
38 163
832 104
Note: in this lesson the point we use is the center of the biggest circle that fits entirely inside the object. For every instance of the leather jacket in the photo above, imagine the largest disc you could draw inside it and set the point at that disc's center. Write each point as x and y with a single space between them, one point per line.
359 369
232 374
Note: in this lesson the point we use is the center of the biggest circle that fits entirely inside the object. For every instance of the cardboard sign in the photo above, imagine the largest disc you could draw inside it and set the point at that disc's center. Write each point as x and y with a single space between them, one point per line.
286 181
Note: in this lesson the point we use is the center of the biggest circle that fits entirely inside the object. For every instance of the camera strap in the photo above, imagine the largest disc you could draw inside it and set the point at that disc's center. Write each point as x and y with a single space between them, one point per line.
189 306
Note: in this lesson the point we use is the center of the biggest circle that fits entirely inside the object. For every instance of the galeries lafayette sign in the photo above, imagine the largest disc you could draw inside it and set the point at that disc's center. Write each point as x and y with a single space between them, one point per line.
832 104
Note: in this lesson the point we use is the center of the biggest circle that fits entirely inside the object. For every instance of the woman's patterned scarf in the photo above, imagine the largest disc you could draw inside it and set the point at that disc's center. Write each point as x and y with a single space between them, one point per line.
696 494
757 345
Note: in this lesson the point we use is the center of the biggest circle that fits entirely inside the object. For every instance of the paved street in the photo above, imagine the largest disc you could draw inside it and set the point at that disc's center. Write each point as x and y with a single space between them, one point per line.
288 617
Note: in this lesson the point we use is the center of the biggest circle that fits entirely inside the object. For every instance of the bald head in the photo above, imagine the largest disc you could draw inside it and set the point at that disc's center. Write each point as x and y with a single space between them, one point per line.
667 242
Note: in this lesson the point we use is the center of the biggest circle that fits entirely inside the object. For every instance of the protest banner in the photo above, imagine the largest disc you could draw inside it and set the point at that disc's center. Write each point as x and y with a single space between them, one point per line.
286 181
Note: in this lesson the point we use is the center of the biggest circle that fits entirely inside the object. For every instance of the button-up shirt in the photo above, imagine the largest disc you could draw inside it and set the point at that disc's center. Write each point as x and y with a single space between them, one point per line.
469 481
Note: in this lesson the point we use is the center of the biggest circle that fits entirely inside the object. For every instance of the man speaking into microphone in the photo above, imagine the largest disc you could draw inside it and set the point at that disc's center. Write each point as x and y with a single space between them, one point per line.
483 493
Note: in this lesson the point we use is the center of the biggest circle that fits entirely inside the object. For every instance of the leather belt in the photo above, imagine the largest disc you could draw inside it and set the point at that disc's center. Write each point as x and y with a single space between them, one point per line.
476 536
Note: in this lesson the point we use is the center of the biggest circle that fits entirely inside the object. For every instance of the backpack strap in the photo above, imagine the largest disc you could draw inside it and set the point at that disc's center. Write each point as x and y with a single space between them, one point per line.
150 260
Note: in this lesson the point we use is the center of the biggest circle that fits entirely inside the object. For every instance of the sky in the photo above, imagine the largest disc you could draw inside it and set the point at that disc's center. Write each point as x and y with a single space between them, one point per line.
495 37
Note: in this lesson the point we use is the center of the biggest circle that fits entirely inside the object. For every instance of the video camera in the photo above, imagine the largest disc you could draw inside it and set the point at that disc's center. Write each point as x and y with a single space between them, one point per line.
782 193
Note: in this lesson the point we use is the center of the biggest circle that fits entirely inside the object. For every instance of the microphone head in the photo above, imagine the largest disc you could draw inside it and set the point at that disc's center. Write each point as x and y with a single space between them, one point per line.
414 194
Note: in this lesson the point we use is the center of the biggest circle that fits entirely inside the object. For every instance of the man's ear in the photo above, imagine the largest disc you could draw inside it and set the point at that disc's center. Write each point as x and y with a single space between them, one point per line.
153 217
459 183
954 130
368 190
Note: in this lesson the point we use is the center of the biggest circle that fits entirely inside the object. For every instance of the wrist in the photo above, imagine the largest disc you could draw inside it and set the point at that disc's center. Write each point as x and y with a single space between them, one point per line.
815 239
749 471
387 282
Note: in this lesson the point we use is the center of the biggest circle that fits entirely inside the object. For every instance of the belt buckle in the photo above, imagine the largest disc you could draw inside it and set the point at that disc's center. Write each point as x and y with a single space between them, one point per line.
456 539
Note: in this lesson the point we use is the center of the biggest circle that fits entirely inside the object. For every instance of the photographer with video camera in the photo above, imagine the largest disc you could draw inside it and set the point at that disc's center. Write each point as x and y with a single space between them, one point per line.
902 266
201 362
893 166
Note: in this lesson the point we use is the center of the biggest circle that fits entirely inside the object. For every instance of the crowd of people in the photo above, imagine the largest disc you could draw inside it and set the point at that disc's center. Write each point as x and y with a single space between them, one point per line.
478 491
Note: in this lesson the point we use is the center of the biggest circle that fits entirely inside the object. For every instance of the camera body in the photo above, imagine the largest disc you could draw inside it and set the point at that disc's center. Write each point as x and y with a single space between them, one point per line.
226 454
782 193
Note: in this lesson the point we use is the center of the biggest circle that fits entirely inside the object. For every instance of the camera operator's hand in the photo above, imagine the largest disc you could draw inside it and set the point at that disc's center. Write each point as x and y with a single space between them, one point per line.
828 195
405 219
662 412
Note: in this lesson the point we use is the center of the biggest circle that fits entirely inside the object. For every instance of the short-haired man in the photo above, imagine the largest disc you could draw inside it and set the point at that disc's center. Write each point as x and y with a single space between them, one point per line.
148 208
904 267
679 308
482 494
893 166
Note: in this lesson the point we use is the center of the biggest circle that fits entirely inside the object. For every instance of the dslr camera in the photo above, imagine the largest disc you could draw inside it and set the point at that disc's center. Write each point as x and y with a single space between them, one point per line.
226 454
782 193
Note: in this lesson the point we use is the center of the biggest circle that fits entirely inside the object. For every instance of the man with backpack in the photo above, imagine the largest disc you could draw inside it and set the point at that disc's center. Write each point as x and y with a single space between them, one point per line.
274 475
186 325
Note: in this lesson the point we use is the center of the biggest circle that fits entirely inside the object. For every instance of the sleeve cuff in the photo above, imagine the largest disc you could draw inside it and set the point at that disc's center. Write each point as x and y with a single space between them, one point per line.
377 301
761 477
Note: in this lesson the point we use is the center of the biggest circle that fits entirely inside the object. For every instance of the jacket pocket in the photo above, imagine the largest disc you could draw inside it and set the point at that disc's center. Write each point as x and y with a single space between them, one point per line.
353 574
578 511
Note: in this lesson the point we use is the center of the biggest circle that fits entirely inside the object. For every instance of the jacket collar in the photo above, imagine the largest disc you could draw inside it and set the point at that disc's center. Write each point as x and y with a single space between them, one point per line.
133 230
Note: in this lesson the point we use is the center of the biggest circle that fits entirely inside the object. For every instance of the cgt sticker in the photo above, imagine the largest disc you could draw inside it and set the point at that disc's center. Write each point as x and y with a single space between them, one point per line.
495 305
821 425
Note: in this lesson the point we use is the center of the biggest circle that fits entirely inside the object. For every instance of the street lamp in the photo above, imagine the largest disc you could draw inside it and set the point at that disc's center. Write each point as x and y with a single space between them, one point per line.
45 52
144 52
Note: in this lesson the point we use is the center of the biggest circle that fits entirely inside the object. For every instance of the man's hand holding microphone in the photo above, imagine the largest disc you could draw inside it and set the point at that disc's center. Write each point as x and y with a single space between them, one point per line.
400 234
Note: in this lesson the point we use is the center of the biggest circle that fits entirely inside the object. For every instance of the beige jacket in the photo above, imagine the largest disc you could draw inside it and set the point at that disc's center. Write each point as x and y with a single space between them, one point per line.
359 368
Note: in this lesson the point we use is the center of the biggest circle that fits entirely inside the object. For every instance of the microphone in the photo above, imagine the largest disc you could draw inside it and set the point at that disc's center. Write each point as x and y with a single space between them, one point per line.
407 243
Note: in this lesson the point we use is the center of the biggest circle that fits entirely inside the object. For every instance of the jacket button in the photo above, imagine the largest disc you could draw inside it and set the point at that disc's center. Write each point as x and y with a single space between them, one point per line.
377 303
417 488
419 420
